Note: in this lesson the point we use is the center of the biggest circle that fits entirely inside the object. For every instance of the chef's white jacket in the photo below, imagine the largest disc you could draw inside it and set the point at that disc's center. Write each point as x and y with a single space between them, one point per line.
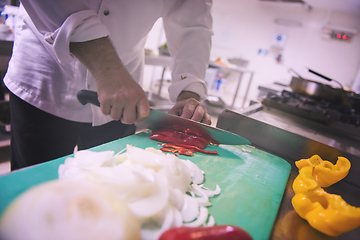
45 74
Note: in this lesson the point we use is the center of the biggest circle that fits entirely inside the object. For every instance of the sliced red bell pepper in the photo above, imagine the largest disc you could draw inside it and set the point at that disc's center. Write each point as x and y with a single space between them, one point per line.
206 233
193 141
180 150
163 138
196 132
170 133
168 150
174 137
190 140
185 151
191 147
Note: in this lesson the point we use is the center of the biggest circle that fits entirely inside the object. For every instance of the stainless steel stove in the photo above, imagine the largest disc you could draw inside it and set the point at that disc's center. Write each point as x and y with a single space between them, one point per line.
335 115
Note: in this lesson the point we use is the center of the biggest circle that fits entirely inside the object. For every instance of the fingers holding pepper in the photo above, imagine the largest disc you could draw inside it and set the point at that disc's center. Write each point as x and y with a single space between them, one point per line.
190 107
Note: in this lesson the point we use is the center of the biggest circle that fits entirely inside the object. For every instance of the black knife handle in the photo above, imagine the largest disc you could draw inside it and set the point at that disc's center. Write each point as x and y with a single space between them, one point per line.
87 96
320 75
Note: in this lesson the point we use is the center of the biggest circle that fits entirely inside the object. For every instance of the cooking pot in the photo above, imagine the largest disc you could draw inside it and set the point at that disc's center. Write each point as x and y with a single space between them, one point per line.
318 90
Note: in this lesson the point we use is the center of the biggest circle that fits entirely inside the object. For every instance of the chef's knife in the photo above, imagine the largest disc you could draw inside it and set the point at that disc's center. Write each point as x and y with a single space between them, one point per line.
158 119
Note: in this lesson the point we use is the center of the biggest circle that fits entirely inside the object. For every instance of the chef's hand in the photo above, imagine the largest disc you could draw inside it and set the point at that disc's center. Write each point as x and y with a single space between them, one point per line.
119 95
189 106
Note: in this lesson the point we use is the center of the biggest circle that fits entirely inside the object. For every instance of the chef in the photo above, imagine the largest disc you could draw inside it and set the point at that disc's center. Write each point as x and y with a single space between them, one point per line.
61 47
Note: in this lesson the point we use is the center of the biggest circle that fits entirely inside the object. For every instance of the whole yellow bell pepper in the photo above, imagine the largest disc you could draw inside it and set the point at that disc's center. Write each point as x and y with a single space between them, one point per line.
327 213
326 173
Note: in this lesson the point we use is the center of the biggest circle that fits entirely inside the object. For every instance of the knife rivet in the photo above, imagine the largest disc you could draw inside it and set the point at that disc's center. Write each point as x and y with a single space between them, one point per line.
106 12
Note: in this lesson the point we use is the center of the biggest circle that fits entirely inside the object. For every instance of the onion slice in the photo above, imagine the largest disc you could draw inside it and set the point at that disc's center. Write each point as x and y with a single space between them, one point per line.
201 219
70 210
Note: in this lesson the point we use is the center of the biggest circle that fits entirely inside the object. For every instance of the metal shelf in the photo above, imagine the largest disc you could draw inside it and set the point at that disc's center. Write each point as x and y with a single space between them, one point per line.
165 61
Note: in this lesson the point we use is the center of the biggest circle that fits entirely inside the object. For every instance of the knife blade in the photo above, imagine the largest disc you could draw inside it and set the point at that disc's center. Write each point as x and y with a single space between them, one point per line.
158 119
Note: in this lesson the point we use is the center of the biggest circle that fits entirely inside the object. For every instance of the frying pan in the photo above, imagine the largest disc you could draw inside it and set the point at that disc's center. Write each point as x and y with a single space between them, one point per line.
318 90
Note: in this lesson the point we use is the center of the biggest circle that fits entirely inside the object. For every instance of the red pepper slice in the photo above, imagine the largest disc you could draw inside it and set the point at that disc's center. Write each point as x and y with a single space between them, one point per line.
190 140
172 137
196 132
163 138
180 150
181 132
167 145
170 133
193 141
206 233
194 148
188 130
181 137
185 151
168 150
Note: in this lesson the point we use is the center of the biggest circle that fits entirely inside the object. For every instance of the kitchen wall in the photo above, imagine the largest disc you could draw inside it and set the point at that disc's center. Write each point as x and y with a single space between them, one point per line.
246 29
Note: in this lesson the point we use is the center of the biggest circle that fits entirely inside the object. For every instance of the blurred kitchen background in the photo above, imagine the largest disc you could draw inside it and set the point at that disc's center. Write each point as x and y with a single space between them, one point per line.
258 47
273 40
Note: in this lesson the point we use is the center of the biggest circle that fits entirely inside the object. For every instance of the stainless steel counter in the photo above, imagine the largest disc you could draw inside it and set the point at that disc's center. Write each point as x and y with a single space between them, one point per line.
293 138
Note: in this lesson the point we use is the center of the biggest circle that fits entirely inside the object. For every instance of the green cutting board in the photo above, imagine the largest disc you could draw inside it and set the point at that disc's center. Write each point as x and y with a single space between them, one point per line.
252 182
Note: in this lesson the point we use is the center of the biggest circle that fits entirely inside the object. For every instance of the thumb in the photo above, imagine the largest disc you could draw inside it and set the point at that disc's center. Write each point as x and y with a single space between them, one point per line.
143 109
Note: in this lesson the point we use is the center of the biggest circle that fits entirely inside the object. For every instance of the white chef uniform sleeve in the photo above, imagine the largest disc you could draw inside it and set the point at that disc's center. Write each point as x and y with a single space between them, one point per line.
62 22
188 29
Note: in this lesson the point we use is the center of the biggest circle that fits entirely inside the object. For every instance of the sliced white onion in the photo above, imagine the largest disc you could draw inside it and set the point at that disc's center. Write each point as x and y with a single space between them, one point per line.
210 223
154 150
148 159
161 222
190 210
197 174
119 159
77 167
201 219
70 210
71 171
154 203
178 220
116 159
152 184
176 198
211 193
88 160
177 173
203 201
200 190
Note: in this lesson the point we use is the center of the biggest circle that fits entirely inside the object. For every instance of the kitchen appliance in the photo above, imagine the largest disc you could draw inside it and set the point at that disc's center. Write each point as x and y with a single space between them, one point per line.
252 182
318 90
322 103
158 119
334 115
